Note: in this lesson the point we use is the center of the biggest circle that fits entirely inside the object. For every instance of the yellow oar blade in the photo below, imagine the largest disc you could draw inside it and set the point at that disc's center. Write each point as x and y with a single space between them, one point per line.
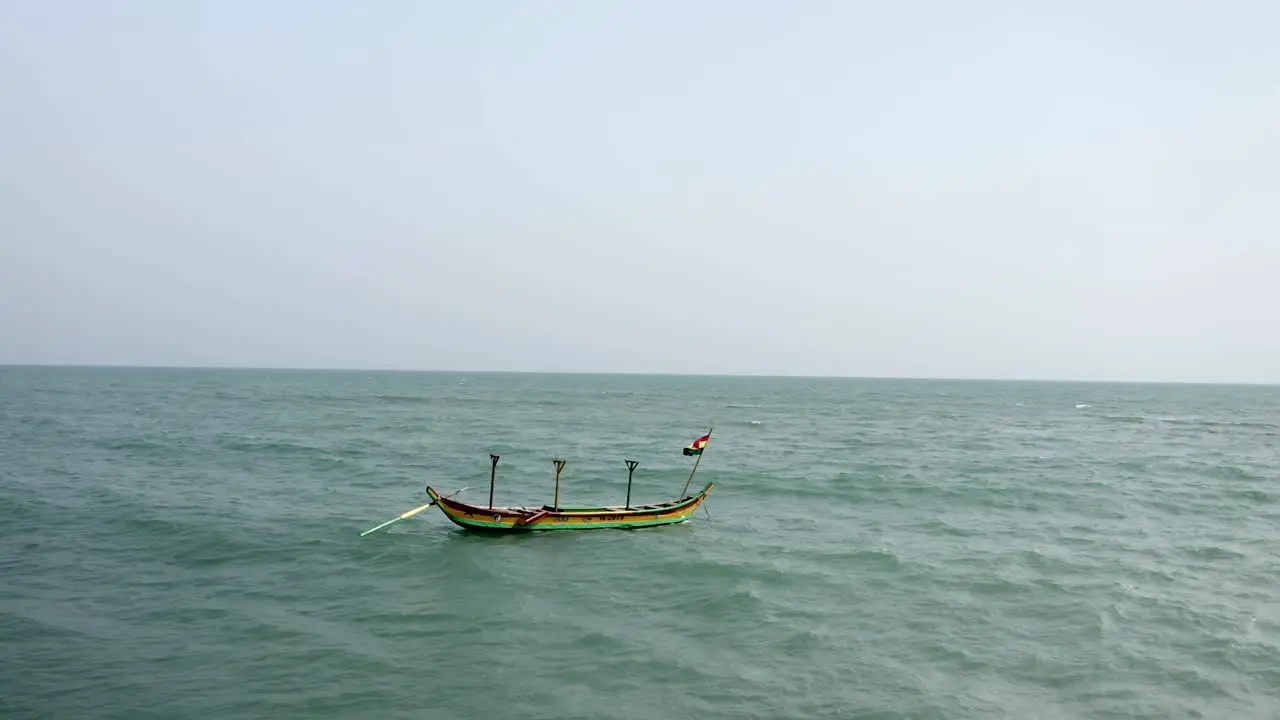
408 514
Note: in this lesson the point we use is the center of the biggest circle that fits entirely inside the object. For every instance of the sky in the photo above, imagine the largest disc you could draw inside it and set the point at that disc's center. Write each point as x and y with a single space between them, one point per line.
1053 190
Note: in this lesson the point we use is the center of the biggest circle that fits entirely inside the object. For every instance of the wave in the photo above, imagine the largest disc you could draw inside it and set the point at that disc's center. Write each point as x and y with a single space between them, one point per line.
1208 423
1131 419
1211 552
1233 472
1256 496
131 443
404 399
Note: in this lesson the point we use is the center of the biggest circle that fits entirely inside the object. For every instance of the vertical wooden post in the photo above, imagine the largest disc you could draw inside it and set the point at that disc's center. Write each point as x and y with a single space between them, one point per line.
493 472
631 469
559 467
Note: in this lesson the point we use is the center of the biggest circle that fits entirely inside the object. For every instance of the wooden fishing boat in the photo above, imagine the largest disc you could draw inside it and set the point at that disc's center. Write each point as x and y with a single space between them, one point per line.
548 517
494 518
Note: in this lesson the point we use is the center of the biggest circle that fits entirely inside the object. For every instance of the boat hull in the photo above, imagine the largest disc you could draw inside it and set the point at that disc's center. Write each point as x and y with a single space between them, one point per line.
522 519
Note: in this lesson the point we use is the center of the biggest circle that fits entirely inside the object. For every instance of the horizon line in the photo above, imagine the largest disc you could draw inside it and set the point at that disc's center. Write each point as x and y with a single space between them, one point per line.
635 373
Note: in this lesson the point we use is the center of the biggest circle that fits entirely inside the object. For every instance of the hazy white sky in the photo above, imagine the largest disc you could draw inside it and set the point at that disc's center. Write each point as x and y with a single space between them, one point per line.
1084 189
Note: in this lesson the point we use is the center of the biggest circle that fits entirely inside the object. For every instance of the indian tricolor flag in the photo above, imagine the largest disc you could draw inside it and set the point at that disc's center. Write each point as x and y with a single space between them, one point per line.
695 447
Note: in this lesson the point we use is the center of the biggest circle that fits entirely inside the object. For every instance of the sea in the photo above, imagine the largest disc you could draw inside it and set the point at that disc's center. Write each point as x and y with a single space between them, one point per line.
186 543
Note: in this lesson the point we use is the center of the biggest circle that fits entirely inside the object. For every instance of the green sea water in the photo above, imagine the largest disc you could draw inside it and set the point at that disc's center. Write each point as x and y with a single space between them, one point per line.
186 544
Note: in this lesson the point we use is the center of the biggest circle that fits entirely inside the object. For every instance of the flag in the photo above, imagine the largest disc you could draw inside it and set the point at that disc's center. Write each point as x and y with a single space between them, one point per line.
695 447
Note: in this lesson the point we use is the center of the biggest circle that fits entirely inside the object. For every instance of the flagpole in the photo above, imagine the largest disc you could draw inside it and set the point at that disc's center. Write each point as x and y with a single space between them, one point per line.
695 467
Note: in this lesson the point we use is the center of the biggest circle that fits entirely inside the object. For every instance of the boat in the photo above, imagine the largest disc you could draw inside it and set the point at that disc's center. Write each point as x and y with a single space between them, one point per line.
493 518
548 517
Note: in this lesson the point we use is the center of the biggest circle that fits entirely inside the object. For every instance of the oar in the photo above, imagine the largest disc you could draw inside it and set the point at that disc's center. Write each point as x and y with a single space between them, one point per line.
408 514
